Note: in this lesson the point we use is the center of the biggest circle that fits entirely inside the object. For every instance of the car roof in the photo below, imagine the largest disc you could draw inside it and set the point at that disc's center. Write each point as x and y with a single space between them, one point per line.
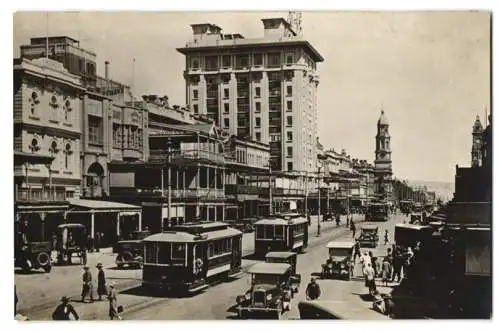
70 225
412 226
131 241
284 255
340 310
369 227
340 244
269 268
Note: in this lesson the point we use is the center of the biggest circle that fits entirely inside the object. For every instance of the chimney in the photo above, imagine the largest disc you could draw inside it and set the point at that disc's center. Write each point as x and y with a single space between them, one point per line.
106 69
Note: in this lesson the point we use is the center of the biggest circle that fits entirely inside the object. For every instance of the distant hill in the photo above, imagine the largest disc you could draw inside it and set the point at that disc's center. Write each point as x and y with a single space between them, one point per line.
443 190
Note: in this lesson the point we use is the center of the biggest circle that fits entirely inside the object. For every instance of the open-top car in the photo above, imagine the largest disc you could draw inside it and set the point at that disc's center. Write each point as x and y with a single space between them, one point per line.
71 240
270 292
130 252
288 258
369 236
340 260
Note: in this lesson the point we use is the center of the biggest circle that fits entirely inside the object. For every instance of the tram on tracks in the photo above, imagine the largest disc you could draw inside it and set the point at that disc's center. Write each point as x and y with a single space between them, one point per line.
188 258
281 233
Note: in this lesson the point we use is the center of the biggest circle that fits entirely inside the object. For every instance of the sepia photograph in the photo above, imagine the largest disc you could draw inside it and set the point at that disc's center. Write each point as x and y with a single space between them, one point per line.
247 165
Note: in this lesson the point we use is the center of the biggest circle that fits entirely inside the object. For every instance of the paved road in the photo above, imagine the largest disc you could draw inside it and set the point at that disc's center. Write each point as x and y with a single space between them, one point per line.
37 301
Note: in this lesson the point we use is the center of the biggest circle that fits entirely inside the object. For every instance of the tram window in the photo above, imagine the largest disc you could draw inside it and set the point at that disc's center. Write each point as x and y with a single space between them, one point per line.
219 247
163 253
151 252
178 251
269 232
259 232
278 231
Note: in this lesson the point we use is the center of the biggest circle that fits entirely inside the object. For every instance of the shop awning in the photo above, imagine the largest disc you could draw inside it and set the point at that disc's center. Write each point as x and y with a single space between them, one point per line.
102 206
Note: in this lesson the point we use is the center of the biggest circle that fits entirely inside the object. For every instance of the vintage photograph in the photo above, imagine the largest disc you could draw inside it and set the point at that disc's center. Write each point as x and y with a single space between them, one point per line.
252 165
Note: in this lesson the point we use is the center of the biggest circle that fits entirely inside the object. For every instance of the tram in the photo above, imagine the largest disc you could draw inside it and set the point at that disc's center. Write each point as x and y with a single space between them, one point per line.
188 257
377 212
281 233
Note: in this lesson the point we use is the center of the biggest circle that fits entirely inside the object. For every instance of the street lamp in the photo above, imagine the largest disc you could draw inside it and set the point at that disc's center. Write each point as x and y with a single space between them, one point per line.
319 202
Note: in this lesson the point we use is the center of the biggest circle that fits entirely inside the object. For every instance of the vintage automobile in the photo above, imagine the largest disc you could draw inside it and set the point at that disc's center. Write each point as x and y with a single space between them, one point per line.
336 310
291 259
71 239
270 292
369 236
33 255
416 218
130 251
340 260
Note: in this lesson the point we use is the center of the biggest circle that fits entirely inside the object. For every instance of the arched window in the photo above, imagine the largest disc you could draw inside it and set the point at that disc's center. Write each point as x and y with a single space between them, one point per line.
34 145
53 148
67 154
67 109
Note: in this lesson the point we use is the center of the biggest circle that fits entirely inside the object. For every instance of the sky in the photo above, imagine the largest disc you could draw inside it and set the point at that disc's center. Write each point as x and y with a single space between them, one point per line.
429 71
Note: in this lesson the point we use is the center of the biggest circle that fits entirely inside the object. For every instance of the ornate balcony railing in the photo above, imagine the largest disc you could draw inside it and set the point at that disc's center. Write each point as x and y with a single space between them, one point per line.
195 155
35 195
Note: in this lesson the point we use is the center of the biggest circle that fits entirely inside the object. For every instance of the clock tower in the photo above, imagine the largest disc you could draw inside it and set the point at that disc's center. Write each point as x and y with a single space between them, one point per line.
383 163
477 143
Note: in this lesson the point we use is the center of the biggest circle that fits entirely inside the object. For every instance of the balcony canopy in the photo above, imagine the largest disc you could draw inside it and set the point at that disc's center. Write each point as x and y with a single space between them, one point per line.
97 205
33 158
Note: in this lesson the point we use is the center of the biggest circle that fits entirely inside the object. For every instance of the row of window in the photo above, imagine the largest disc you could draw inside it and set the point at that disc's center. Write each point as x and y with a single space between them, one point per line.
270 232
220 247
127 136
212 92
243 61
164 253
54 150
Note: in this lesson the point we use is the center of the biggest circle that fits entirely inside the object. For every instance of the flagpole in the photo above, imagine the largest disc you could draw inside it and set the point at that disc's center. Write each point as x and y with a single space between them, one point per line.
47 35
133 83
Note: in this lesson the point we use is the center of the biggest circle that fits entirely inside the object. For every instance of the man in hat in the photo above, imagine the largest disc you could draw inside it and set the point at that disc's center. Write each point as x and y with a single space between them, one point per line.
113 303
101 281
87 284
63 311
313 291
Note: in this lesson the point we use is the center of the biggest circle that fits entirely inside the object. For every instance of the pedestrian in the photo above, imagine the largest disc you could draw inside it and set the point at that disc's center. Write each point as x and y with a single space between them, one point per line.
369 274
97 241
398 261
373 261
87 284
408 260
113 303
386 237
365 259
313 291
386 271
101 281
63 311
353 229
357 250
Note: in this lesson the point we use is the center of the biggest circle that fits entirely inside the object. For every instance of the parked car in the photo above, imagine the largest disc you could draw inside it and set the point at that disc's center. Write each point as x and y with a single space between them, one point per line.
270 292
71 240
340 260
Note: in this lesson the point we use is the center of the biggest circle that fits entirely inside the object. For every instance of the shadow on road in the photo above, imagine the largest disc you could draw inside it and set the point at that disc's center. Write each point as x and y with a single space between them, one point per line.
28 272
122 268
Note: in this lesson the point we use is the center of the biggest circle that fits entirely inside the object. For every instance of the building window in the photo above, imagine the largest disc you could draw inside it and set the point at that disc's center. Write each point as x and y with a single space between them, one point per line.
289 90
289 76
226 61
34 147
257 122
257 136
289 105
95 130
195 109
195 63
226 123
211 63
195 94
289 166
67 154
289 151
226 93
226 108
257 92
289 136
242 123
241 61
289 59
289 121
257 59
226 78
273 60
257 107
117 135
67 110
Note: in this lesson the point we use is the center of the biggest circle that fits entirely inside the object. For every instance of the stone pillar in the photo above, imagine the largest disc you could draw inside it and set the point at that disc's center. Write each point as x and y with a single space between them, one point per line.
139 215
92 224
215 213
118 225
42 218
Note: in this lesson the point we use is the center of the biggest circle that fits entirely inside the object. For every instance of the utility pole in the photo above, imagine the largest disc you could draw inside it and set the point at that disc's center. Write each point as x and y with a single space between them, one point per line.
319 203
270 191
306 182
169 179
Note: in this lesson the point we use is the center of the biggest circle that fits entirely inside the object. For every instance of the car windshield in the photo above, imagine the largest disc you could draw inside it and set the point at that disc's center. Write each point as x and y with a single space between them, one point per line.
265 279
341 252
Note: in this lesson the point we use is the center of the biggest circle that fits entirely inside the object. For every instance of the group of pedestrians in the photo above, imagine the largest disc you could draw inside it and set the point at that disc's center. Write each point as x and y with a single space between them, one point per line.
65 310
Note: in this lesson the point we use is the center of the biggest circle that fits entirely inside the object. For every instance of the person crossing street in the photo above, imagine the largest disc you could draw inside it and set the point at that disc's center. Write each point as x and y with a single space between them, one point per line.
87 285
313 291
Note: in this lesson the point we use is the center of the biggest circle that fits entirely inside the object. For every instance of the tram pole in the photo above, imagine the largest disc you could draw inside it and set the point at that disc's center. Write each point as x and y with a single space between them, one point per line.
319 203
169 179
270 191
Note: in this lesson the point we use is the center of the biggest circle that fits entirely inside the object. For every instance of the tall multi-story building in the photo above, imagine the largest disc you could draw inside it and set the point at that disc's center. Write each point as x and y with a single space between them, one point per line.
477 143
47 102
383 163
264 89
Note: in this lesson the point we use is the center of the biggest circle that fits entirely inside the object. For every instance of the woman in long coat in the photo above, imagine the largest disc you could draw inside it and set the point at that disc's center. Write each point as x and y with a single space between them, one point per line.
113 304
101 282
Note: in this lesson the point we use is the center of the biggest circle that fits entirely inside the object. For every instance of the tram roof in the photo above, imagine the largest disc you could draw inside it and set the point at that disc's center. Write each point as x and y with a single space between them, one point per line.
283 255
281 221
185 237
70 225
269 268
